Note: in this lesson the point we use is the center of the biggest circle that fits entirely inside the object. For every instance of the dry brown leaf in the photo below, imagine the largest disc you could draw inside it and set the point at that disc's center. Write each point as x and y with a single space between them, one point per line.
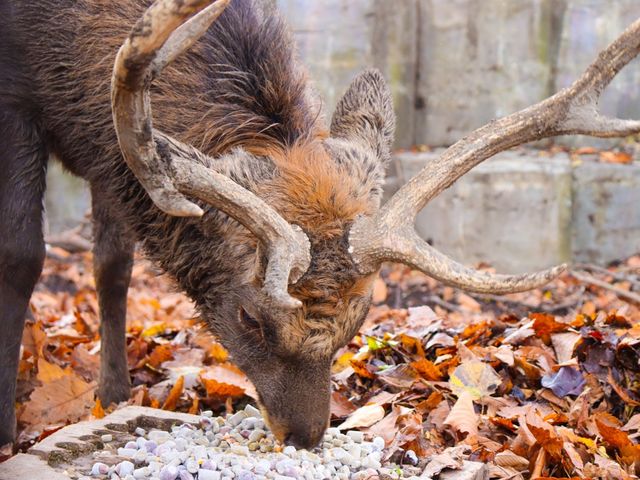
34 338
609 428
463 416
363 417
563 344
361 369
509 459
340 406
544 325
160 354
632 424
62 397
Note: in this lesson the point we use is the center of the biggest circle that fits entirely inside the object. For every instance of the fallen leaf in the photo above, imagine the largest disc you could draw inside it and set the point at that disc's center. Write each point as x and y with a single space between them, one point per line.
476 378
544 325
231 375
610 429
62 397
567 381
545 435
615 157
174 395
340 406
463 416
97 411
564 343
363 417
427 369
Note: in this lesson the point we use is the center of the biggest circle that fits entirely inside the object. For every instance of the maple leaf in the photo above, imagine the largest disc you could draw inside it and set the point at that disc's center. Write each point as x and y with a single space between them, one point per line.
62 397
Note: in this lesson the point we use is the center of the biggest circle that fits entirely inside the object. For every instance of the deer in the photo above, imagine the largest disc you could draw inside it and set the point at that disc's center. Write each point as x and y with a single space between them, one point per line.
203 142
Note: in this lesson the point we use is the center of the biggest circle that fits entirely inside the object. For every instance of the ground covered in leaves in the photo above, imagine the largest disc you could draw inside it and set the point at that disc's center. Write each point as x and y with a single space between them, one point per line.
544 384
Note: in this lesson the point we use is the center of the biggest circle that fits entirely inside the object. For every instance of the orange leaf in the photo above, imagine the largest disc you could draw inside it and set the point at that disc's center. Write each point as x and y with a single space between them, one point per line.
160 354
361 369
430 403
545 324
97 411
34 338
229 380
193 409
174 395
609 428
218 353
615 157
220 389
504 423
545 435
412 344
427 369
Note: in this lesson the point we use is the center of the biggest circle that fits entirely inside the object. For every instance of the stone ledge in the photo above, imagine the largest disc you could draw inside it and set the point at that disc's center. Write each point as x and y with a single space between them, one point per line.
65 449
523 211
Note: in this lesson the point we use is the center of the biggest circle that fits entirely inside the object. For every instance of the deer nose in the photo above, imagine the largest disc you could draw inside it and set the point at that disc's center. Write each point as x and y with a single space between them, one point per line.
305 438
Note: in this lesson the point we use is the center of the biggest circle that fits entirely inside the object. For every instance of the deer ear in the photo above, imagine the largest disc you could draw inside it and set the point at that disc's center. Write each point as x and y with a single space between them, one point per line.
365 114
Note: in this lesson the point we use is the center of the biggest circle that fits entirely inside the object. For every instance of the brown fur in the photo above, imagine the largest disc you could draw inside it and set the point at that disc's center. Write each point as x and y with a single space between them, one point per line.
238 92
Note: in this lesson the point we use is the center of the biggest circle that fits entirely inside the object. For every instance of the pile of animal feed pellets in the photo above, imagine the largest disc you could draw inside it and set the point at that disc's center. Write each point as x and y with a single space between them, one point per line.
240 447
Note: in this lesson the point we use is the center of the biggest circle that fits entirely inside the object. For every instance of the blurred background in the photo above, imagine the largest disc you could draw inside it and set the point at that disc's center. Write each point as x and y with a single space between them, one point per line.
454 65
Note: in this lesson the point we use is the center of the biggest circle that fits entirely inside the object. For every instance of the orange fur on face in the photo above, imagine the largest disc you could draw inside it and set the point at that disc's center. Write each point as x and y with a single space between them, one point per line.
313 191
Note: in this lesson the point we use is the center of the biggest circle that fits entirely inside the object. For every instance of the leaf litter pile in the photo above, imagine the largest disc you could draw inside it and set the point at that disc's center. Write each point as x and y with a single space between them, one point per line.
543 384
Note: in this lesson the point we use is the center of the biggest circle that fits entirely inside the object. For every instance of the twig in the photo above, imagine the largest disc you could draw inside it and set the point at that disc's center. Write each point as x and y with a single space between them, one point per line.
572 301
443 303
619 275
635 298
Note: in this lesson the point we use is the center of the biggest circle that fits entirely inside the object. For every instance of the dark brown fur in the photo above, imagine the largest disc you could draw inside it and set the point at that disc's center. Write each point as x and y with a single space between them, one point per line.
239 87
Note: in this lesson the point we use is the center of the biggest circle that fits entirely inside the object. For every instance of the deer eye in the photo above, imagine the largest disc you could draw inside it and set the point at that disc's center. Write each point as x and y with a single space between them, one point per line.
248 320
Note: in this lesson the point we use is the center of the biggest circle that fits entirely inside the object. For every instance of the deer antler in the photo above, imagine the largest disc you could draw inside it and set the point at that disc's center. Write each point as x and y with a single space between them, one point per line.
169 169
389 235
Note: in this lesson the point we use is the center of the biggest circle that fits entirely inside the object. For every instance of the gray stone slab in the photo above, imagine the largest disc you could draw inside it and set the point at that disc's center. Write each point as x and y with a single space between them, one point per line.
606 212
68 452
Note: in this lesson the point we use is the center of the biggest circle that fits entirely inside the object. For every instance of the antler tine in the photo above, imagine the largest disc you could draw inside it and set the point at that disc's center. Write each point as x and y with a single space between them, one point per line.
390 235
169 169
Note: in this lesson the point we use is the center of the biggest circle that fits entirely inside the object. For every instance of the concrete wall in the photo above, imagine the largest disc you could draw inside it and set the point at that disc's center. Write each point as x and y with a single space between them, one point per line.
453 65
521 211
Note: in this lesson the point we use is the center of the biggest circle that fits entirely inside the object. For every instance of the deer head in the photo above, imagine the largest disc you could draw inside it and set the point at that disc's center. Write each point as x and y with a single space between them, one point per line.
309 288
